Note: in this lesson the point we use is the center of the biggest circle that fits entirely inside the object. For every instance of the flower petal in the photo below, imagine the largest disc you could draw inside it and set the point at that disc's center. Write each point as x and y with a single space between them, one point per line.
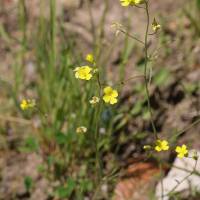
125 4
106 98
77 68
184 147
81 70
82 76
158 143
157 148
76 75
114 93
180 155
113 100
137 1
88 76
178 149
165 147
87 69
108 90
164 143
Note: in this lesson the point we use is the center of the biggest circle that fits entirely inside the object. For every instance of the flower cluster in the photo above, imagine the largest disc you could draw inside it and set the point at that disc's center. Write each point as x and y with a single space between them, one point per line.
27 104
162 145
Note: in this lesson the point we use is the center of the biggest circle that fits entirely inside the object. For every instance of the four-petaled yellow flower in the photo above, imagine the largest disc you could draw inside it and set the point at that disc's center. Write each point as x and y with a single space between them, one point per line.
81 129
84 73
182 151
28 104
155 25
129 2
110 95
161 145
90 58
117 26
94 101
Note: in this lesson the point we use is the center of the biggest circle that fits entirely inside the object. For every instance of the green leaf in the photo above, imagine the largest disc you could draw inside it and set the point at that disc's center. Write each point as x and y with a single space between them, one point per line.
28 182
50 160
63 192
137 108
161 77
61 138
31 142
190 87
41 169
146 114
66 191
24 149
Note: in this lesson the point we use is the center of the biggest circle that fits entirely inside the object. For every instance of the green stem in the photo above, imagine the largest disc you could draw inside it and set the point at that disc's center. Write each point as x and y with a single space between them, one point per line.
139 7
162 46
145 72
122 82
186 128
153 33
97 192
161 181
132 36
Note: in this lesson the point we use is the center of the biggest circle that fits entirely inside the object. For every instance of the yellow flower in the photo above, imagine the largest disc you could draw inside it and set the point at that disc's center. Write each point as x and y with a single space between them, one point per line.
81 129
27 104
129 2
156 27
110 95
84 73
94 101
117 26
161 145
182 151
90 58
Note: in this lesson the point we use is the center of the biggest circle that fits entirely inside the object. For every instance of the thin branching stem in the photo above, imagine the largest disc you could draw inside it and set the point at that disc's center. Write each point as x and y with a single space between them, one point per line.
122 82
132 36
139 7
162 47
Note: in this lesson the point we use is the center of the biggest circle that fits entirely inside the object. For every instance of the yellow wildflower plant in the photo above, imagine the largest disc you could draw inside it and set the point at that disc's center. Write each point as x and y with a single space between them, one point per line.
94 101
161 145
129 2
110 95
28 104
117 26
90 59
182 151
84 73
81 129
155 25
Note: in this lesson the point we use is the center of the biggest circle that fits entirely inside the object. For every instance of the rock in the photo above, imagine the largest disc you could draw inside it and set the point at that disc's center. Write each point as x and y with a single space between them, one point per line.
169 182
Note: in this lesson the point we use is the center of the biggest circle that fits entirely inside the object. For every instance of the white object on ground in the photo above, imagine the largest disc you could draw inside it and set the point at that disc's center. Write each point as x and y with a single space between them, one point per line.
169 182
